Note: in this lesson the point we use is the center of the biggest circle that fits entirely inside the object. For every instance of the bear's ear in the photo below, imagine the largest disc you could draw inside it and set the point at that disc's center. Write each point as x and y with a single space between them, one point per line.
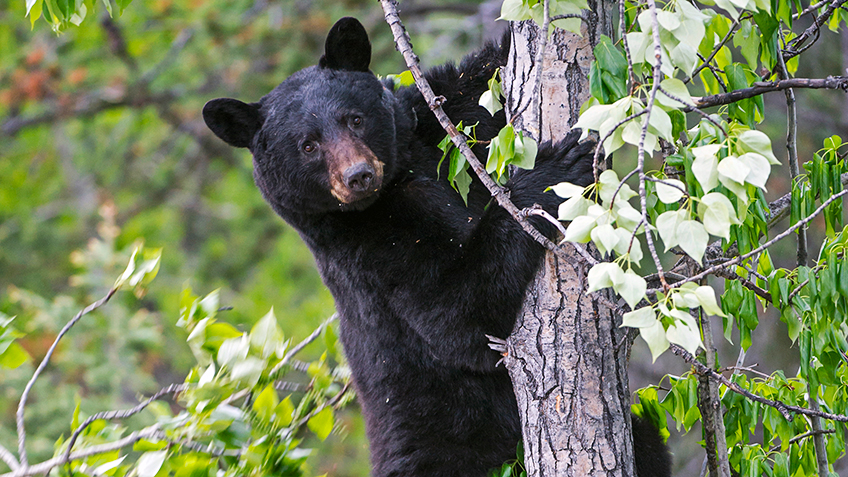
347 47
233 121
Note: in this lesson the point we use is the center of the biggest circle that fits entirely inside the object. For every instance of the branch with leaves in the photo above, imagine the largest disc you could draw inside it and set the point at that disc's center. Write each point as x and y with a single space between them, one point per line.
235 383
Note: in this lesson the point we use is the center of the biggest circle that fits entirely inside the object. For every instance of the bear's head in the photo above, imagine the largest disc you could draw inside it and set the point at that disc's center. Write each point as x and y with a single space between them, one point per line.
325 138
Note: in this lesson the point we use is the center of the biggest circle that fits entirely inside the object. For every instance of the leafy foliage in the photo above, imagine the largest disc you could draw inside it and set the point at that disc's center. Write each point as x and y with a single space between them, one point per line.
229 415
706 202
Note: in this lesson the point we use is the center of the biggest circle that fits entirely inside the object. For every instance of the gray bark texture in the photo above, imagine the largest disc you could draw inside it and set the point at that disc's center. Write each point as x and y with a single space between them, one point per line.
565 356
570 378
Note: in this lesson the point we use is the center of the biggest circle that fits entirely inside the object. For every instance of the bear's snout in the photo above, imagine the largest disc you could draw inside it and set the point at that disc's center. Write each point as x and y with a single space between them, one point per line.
359 177
355 171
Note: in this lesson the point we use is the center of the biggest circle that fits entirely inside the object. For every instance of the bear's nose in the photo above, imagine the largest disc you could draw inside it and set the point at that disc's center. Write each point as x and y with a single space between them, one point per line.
359 177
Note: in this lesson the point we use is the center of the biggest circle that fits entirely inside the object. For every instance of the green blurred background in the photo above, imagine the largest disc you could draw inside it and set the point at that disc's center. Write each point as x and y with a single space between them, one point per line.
102 143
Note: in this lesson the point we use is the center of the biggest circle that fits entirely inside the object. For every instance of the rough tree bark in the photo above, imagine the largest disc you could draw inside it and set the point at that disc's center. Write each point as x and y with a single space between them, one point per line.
565 355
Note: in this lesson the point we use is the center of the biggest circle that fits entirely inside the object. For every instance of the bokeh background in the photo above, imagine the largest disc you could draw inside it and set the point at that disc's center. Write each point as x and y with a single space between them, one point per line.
102 144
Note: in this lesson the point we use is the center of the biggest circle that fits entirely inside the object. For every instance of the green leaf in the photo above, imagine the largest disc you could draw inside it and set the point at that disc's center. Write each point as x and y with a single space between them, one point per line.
321 423
490 102
514 10
525 152
267 336
265 403
14 356
610 58
284 412
676 88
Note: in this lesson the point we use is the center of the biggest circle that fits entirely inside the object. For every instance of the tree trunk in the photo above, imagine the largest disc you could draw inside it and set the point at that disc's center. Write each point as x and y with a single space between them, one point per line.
565 357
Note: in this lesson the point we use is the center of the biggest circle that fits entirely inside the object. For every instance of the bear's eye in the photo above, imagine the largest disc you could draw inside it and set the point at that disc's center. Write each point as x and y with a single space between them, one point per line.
356 121
308 147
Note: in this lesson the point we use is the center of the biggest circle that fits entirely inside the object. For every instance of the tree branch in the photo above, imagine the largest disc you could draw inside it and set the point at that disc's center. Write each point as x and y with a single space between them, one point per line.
44 467
762 87
19 416
499 193
309 339
121 414
766 245
786 410
8 458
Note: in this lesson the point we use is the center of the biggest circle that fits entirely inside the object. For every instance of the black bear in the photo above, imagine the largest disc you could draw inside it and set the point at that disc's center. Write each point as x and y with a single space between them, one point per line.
419 277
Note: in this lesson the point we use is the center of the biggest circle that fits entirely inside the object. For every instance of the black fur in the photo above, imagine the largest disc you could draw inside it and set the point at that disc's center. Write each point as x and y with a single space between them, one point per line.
419 278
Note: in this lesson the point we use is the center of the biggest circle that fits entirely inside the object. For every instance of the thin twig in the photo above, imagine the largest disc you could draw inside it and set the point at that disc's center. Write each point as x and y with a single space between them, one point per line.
19 417
792 50
8 458
657 74
44 467
792 149
121 414
309 339
715 51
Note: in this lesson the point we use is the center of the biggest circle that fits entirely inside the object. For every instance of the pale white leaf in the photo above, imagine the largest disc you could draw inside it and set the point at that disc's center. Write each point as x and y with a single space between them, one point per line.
661 123
150 462
715 197
580 229
627 217
670 191
759 167
632 288
693 238
716 219
706 297
103 468
654 335
666 224
705 166
734 169
567 190
604 237
641 318
684 332
756 141
607 184
603 275
676 88
573 208
638 42
668 20
593 117
685 57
